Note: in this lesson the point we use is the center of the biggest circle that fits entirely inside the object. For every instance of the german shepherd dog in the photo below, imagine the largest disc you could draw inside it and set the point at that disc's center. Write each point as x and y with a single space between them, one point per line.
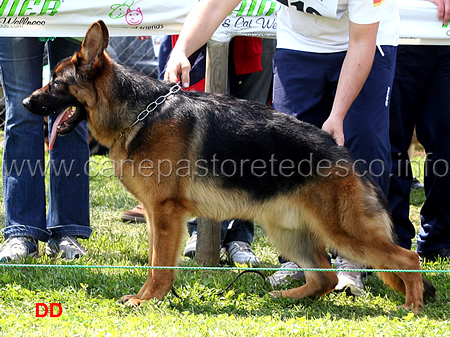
218 157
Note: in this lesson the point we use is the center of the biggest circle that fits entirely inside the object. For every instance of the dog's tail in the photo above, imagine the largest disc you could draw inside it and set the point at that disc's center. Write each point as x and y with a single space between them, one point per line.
429 291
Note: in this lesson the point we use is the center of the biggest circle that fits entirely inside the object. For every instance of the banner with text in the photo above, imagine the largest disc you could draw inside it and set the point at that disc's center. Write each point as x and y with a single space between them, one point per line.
59 18
419 20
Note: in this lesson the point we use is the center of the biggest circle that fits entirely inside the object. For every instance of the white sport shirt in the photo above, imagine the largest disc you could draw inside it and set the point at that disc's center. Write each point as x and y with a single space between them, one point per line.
322 25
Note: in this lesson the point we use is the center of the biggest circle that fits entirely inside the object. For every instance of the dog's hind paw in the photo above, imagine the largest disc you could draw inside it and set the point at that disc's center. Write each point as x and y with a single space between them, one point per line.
414 309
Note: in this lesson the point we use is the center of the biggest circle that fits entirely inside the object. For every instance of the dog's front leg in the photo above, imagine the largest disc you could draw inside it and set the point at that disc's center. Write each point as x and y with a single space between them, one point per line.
150 232
165 240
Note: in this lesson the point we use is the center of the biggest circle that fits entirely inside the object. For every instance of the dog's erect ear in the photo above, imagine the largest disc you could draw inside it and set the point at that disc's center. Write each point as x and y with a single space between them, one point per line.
93 46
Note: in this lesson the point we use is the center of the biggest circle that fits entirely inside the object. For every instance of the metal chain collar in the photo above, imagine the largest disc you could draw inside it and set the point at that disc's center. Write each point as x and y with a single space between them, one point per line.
150 108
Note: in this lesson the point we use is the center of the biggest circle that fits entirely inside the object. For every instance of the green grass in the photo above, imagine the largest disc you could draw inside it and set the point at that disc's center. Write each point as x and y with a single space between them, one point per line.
90 307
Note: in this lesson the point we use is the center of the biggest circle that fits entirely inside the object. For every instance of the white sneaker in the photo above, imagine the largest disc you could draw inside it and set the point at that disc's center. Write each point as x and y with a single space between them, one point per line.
283 276
240 252
191 246
349 281
68 246
18 247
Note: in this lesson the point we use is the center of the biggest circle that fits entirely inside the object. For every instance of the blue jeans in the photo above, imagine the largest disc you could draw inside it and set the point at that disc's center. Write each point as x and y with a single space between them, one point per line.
24 166
239 230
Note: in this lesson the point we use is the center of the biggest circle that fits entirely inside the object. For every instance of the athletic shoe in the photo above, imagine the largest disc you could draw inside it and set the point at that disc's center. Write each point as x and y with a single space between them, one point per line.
241 253
417 185
18 247
443 253
191 246
351 282
67 246
134 215
282 277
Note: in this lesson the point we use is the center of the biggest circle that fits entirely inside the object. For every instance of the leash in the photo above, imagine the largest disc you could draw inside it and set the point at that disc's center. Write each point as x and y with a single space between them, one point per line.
238 276
229 285
150 108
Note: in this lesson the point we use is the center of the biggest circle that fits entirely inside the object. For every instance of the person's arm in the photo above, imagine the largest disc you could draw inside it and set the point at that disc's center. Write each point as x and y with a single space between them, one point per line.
199 26
443 10
355 70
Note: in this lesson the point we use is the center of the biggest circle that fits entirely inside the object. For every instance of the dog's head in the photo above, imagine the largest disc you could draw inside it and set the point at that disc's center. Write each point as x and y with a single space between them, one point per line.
70 92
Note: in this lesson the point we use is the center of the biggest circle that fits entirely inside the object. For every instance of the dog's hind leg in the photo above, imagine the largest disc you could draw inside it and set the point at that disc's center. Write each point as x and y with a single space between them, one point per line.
167 230
303 248
318 283
352 219
377 249
409 283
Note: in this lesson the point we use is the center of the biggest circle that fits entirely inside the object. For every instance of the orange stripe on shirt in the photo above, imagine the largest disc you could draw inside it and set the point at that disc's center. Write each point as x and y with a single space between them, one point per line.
377 2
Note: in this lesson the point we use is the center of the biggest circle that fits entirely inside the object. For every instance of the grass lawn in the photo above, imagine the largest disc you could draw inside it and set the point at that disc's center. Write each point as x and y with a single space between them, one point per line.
88 296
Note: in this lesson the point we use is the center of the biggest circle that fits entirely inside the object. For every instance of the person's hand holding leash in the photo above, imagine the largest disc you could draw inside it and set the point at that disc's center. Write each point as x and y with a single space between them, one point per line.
178 65
199 26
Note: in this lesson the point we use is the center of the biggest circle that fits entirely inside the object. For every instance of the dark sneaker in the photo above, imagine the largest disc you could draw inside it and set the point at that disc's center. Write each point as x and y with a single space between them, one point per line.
443 253
67 246
282 277
18 247
136 214
240 252
348 280
416 185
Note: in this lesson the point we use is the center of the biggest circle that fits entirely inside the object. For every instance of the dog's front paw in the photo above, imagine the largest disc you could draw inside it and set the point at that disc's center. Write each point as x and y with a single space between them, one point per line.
131 300
276 294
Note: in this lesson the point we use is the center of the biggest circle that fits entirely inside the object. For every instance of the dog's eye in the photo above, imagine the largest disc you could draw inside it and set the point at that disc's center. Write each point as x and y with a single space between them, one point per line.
57 84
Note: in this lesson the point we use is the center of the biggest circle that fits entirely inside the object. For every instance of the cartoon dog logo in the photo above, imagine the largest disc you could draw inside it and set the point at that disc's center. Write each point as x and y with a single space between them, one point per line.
120 10
133 17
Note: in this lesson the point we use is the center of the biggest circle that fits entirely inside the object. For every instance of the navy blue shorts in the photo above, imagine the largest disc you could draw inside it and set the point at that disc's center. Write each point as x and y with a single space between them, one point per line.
305 86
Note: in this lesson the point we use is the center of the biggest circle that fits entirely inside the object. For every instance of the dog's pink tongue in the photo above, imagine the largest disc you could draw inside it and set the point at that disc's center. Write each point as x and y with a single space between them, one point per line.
54 132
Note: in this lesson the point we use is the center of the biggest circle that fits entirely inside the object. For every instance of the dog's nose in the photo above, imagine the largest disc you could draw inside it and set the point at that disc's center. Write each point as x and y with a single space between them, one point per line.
27 103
